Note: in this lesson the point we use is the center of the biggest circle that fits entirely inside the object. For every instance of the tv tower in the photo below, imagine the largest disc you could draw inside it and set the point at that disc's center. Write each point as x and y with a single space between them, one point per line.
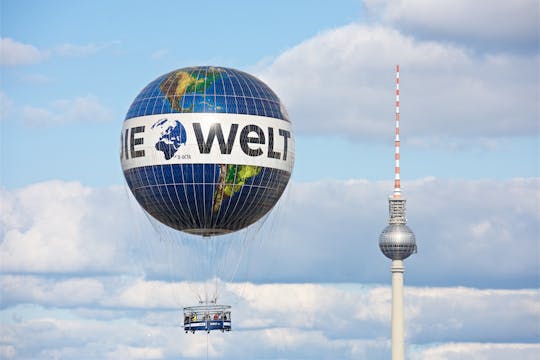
397 242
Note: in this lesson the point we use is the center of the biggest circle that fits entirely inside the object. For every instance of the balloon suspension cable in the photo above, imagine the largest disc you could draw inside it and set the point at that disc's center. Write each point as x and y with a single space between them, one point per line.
183 191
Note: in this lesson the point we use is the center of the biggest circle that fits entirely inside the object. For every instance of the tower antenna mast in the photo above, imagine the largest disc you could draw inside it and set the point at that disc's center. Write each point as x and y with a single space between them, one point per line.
397 242
397 183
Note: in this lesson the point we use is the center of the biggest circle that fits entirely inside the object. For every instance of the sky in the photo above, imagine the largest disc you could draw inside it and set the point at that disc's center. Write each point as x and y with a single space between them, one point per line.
86 275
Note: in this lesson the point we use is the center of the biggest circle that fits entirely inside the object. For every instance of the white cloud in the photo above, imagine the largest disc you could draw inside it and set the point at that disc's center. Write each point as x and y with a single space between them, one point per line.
342 82
148 294
14 53
7 351
343 321
6 106
72 232
60 227
474 227
86 109
50 292
467 315
328 220
66 227
333 309
86 50
158 54
491 351
133 352
38 79
498 21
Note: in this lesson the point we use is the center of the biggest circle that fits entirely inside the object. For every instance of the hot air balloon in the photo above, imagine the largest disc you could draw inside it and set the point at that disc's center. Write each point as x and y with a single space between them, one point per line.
207 151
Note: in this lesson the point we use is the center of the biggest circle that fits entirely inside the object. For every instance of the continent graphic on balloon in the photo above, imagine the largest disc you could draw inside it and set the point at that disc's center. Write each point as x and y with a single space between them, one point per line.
172 135
207 150
178 83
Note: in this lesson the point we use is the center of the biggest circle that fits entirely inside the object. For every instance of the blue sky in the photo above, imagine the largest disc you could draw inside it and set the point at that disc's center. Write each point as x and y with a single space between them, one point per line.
78 257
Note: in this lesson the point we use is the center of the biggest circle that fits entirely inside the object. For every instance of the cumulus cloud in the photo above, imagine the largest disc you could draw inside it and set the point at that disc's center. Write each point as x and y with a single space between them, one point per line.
67 248
7 351
37 79
324 231
467 310
473 22
477 228
60 227
159 54
330 229
6 106
342 82
85 109
74 50
82 109
477 351
135 352
50 291
14 53
142 294
320 321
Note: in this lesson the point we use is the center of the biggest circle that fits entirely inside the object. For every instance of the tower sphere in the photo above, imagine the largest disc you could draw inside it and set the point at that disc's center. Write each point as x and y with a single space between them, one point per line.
397 242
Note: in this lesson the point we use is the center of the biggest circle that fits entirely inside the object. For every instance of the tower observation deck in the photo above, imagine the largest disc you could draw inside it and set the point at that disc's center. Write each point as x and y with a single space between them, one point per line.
397 241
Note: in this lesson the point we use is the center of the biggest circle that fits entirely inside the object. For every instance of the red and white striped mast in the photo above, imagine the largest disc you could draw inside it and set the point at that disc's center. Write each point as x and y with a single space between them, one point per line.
397 184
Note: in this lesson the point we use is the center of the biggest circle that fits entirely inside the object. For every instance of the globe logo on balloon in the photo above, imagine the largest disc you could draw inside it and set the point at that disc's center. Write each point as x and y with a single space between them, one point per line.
172 135
207 150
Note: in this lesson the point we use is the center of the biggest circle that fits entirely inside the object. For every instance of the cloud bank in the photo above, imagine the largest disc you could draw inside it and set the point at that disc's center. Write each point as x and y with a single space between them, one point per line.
271 320
467 22
452 219
16 53
82 109
13 53
84 273
338 81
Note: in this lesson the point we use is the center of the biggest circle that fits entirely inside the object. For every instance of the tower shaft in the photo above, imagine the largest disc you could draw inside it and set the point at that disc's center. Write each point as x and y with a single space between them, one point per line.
398 333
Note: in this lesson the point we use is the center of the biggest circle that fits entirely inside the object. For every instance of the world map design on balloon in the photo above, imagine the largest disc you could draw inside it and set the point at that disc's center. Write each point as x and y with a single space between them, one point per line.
177 84
207 150
173 135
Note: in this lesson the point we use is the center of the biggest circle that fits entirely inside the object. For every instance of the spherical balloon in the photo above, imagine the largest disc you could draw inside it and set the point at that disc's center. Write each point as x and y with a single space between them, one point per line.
207 150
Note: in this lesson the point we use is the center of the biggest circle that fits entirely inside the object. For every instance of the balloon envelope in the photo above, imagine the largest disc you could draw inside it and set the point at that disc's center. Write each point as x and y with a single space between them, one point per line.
207 150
